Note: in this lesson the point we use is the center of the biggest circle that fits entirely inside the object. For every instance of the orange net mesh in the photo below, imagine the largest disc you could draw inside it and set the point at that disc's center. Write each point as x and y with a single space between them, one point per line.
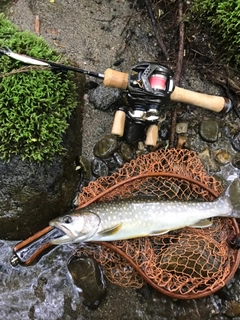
187 263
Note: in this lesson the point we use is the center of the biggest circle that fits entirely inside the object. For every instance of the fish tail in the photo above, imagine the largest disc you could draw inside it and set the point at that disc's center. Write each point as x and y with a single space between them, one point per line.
230 209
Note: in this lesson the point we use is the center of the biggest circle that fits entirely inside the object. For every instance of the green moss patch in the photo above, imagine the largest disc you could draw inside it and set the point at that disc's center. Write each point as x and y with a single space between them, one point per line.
35 104
224 19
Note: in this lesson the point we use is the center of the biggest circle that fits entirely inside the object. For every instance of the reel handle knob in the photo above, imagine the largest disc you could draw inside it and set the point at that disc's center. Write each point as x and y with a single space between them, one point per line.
119 123
152 135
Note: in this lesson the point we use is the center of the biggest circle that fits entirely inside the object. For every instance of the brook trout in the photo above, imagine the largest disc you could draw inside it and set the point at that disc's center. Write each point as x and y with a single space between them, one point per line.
133 218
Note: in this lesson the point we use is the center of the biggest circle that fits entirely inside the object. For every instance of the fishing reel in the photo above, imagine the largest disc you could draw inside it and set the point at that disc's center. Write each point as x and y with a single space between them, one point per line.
149 89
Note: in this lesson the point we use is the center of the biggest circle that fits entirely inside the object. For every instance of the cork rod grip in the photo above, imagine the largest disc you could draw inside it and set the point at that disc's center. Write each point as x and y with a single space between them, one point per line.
115 79
214 103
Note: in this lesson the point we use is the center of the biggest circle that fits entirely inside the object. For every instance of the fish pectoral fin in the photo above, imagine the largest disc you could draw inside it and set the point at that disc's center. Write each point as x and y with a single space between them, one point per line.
158 233
205 223
111 230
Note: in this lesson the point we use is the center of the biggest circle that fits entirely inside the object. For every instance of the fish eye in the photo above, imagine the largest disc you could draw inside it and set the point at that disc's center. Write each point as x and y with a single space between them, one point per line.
67 219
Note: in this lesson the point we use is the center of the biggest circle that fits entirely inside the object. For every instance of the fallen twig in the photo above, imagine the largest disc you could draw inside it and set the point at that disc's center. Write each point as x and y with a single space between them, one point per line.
178 72
156 29
23 69
37 25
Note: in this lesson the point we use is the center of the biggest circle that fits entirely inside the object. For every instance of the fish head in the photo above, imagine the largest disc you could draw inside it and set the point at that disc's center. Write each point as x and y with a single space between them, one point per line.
78 226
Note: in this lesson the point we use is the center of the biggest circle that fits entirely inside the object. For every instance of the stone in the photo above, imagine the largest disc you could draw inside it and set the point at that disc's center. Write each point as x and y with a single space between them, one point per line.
182 127
112 164
209 130
207 161
222 156
105 147
104 98
164 131
236 141
126 152
99 168
119 159
88 278
236 160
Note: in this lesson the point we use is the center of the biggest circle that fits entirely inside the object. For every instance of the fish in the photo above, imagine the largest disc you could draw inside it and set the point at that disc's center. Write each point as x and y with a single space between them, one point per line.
133 218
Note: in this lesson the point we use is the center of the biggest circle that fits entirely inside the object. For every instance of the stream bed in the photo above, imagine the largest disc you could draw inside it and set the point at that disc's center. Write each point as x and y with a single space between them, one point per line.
93 33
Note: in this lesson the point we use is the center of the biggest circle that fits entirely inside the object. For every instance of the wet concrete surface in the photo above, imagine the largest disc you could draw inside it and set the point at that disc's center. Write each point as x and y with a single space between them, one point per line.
93 34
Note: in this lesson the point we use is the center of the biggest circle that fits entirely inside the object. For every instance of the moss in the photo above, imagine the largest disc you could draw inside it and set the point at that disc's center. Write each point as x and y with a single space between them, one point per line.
35 105
224 19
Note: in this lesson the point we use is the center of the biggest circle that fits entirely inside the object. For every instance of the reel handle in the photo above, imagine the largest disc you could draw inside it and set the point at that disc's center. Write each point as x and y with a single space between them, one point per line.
117 79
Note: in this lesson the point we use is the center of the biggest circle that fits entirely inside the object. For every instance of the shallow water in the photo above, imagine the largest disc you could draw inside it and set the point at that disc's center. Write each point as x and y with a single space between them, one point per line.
35 292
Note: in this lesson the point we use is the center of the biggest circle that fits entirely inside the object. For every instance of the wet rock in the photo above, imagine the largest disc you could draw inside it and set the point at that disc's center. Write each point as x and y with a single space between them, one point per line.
234 193
119 159
126 152
83 165
164 131
112 164
182 127
105 147
226 132
235 308
104 98
236 160
222 156
207 161
236 141
182 140
88 278
99 168
208 130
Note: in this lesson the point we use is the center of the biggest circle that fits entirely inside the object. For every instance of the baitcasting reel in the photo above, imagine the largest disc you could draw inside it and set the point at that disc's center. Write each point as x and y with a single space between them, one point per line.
149 89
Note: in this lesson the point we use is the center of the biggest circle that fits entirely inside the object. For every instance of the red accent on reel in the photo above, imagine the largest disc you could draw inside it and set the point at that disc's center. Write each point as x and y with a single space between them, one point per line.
158 81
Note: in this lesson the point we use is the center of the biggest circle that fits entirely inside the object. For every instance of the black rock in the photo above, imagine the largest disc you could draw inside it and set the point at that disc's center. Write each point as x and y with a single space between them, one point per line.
236 141
99 168
104 98
105 147
88 277
209 130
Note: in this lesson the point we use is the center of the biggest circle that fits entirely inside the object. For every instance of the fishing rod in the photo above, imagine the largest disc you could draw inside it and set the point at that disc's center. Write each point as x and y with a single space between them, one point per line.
149 87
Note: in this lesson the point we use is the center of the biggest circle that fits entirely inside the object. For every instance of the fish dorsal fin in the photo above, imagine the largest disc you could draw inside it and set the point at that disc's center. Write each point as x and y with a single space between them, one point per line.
158 233
111 230
205 223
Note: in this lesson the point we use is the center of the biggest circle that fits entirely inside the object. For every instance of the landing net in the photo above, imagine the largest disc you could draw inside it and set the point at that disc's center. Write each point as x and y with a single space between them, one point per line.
186 263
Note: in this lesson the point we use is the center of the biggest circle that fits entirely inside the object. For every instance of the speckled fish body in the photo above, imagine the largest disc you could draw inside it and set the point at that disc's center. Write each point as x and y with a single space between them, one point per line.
126 219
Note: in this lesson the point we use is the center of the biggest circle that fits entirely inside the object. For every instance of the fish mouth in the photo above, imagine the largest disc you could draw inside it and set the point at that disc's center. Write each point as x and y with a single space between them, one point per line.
65 235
